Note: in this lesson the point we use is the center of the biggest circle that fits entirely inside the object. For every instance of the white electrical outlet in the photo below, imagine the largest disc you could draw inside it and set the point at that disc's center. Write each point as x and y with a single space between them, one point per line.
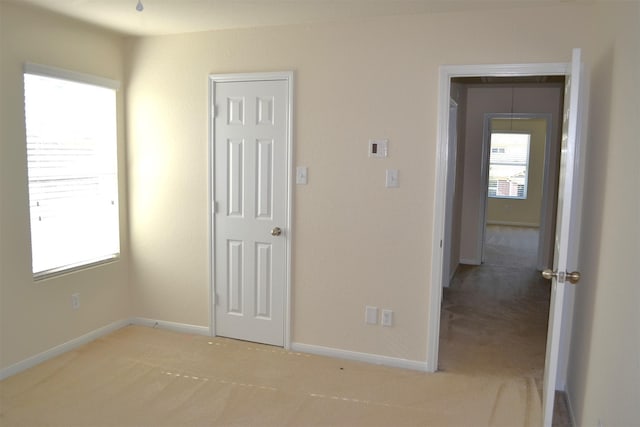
387 317
371 315
75 301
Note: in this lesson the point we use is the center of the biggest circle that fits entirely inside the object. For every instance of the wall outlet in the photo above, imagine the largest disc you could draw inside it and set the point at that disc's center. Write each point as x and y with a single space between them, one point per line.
387 317
371 315
75 301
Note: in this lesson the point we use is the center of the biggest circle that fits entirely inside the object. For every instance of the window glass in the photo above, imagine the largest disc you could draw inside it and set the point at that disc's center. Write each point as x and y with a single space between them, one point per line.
509 165
72 166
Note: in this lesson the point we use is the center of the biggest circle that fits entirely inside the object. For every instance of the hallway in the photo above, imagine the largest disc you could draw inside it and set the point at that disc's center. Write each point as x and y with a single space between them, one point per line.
494 316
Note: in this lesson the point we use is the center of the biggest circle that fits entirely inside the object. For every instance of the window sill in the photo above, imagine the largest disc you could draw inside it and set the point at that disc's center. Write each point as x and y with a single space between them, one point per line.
68 269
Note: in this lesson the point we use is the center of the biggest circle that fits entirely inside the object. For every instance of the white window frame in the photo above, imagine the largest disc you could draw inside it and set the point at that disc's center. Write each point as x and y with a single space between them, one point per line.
75 77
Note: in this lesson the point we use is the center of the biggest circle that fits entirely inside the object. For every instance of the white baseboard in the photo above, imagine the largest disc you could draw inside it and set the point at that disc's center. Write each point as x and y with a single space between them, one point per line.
467 261
572 416
62 348
93 335
171 326
360 357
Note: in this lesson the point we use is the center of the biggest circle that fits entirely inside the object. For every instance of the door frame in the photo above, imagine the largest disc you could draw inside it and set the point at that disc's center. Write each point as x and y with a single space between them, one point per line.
448 72
452 154
288 77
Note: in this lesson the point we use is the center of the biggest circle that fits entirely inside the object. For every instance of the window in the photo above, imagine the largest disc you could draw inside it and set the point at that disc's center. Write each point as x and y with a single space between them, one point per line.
72 165
509 165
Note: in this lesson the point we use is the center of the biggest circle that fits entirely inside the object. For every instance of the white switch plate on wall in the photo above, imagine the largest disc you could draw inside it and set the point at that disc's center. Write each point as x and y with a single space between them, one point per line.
302 175
392 178
371 315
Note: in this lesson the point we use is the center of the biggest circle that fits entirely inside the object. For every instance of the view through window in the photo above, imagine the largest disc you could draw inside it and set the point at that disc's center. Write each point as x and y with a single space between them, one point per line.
509 164
72 165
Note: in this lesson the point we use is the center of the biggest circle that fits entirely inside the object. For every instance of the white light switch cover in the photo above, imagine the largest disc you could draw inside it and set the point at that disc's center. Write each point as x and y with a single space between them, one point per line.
392 178
302 175
371 315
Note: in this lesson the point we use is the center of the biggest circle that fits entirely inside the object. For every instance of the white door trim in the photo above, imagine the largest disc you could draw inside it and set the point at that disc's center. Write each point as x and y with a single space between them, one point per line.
447 72
248 77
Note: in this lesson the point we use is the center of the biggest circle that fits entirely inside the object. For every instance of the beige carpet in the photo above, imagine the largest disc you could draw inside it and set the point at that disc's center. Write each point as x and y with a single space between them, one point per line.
149 377
494 316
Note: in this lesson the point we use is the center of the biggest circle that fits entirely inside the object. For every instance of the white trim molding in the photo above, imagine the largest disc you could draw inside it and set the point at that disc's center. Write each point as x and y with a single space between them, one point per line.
74 76
393 362
62 348
468 261
287 76
171 326
94 335
447 72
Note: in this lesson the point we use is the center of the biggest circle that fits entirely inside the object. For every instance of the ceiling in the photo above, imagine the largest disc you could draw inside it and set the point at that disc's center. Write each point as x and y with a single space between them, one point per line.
185 16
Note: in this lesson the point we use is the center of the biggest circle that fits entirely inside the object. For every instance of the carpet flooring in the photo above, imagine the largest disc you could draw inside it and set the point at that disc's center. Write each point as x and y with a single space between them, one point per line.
492 343
140 376
494 316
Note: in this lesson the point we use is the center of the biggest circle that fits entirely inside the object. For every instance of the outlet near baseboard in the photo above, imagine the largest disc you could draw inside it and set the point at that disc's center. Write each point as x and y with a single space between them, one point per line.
387 317
75 301
371 315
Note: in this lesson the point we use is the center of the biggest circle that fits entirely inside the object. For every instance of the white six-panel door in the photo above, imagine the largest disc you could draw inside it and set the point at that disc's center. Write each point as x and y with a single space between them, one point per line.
251 209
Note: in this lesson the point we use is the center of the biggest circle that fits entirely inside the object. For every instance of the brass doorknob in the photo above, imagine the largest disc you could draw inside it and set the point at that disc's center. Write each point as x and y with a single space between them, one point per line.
276 231
573 277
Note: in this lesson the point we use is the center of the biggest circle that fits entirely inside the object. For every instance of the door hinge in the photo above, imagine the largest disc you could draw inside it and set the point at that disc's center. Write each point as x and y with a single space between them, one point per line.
440 243
214 111
216 299
214 207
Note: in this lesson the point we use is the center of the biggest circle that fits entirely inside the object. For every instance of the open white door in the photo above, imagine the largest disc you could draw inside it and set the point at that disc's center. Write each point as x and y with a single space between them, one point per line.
567 228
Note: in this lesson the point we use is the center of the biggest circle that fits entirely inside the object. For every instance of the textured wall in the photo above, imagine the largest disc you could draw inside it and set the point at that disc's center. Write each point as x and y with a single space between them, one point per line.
36 316
355 242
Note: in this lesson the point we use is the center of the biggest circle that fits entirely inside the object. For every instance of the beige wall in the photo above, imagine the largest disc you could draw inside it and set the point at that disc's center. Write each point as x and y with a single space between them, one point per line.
355 242
487 98
524 212
36 316
355 81
604 365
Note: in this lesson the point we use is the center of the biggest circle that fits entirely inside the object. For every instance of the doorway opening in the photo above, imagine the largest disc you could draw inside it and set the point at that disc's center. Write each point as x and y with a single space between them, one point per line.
567 216
494 312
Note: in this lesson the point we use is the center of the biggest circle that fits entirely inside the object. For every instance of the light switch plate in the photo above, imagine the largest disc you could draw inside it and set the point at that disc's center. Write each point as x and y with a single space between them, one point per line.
392 178
371 315
302 175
